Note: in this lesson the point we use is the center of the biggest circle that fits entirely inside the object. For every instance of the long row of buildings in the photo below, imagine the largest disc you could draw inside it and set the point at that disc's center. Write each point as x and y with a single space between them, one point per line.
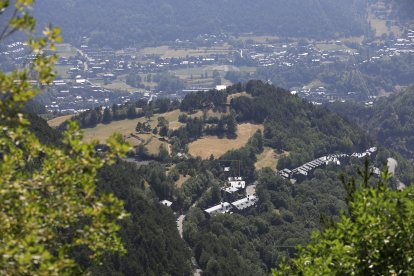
306 170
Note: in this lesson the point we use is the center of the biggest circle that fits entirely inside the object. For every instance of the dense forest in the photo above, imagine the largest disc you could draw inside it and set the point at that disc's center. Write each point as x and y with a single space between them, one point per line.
294 125
149 234
111 23
231 244
285 216
355 75
389 121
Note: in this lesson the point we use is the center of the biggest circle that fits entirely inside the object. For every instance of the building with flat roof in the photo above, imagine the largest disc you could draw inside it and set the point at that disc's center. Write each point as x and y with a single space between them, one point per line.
221 208
245 203
166 203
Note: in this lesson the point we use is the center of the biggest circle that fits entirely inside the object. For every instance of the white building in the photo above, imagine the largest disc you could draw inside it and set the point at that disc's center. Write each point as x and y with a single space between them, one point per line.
221 208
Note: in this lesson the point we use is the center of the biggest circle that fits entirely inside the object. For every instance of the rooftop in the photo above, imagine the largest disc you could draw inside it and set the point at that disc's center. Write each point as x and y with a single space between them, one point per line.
244 203
221 208
166 202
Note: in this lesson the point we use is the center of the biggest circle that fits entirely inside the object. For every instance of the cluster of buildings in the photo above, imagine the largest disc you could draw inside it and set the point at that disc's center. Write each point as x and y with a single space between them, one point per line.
233 204
89 67
306 170
232 192
238 206
71 97
235 184
401 45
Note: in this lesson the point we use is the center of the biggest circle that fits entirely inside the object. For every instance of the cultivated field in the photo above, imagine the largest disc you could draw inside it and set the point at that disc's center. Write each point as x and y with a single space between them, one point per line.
209 145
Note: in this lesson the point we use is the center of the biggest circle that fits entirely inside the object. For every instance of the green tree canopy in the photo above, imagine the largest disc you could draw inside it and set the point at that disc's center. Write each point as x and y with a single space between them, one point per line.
376 238
48 201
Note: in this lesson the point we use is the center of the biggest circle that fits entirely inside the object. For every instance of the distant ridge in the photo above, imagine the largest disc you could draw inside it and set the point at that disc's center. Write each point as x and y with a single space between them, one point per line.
128 22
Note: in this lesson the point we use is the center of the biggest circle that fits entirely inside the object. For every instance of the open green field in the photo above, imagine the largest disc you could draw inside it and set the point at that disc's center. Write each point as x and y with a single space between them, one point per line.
117 84
268 159
192 76
62 71
257 38
203 147
127 129
65 50
181 180
212 145
380 25
167 52
331 46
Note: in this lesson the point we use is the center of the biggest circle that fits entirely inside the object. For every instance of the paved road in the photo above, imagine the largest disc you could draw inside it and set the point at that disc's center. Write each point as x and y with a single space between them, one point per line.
392 165
251 190
180 222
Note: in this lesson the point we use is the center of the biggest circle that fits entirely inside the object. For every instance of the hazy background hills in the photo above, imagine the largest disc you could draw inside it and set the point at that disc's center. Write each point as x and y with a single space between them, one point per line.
129 22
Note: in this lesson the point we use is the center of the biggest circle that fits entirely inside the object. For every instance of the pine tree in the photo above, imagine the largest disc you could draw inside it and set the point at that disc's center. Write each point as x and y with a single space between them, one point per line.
107 116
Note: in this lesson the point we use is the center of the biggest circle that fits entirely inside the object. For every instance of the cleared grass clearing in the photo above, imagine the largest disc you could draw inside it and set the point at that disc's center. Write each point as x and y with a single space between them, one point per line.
125 127
103 131
153 145
179 183
55 122
267 159
175 125
209 145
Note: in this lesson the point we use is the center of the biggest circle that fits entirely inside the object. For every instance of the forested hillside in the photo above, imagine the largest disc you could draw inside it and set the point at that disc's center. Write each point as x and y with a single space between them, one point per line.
128 22
149 234
233 244
293 125
390 121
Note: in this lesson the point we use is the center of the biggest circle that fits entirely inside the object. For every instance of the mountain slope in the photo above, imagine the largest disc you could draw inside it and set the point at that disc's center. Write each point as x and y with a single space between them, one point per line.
294 125
390 121
128 22
149 234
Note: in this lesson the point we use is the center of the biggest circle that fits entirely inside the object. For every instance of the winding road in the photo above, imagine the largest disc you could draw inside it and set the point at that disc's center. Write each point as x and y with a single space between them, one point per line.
392 165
